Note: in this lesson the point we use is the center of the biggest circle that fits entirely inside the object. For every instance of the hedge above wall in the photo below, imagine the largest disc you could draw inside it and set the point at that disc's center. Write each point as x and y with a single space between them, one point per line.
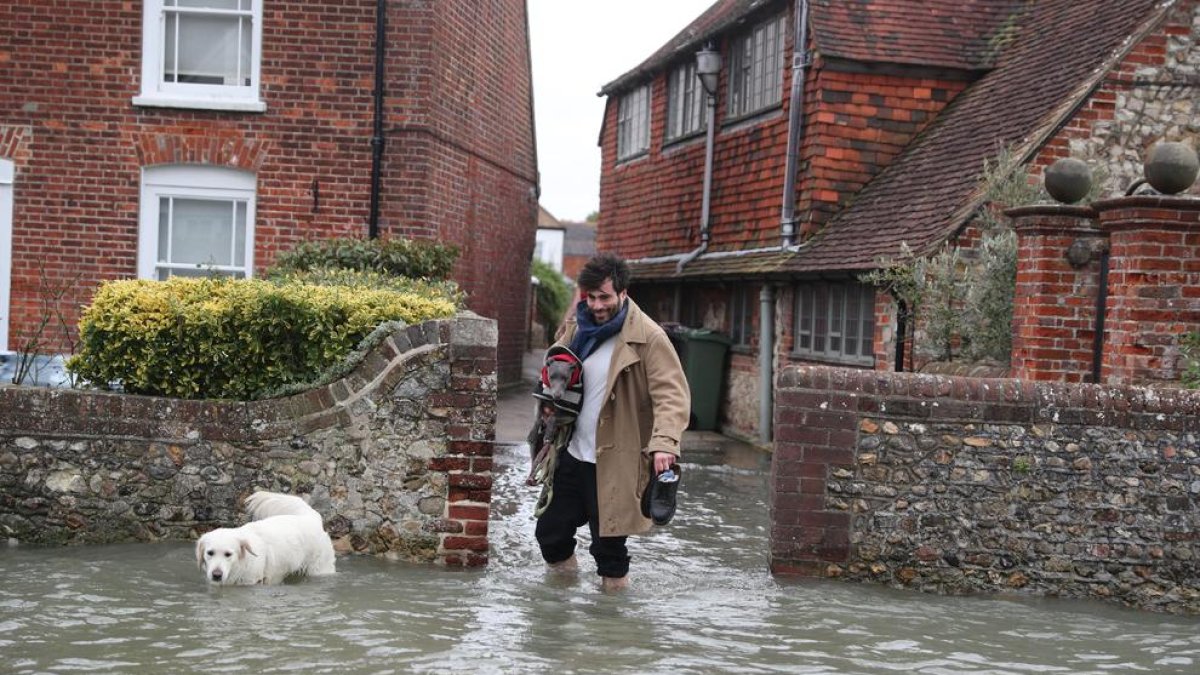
219 338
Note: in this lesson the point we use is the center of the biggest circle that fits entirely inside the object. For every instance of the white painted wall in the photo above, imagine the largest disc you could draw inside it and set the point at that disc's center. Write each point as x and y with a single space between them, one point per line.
548 247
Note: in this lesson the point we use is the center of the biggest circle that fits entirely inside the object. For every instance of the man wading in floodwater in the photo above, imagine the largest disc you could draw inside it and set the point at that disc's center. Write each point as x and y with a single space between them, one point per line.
635 408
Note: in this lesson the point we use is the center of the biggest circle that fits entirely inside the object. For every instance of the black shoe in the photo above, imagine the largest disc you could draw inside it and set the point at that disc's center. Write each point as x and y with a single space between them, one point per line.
658 499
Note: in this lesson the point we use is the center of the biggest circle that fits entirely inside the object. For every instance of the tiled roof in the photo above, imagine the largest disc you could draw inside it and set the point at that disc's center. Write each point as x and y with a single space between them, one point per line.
1061 50
757 264
720 16
580 238
961 34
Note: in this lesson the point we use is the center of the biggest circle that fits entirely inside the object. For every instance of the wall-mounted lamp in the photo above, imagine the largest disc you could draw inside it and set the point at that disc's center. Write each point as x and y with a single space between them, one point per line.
708 68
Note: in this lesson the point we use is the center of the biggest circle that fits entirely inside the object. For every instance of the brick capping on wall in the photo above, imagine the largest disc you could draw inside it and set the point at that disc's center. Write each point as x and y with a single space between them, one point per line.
964 485
397 455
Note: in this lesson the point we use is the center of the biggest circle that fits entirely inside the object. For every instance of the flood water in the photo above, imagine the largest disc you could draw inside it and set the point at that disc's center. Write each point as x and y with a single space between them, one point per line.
701 601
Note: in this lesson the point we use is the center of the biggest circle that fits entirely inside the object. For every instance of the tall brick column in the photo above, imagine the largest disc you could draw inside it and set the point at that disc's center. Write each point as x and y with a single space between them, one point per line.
815 416
471 402
1154 285
1054 303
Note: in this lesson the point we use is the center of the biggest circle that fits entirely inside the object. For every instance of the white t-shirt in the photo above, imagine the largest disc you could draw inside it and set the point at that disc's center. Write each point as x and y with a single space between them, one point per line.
595 377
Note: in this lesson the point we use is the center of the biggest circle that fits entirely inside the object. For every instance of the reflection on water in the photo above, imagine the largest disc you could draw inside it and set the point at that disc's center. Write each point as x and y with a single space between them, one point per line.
701 602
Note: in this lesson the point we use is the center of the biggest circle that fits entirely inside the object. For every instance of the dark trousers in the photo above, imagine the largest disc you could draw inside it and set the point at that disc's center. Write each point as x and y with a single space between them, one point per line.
573 504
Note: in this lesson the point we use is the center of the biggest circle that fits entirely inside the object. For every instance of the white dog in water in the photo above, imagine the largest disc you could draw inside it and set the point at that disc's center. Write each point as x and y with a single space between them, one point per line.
285 536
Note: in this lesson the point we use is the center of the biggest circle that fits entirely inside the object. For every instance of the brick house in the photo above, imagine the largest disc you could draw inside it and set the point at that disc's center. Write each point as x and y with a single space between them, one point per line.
139 139
579 245
898 108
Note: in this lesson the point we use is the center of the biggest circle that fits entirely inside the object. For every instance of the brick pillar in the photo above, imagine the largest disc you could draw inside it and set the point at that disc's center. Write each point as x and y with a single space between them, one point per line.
1153 285
471 402
1054 303
815 430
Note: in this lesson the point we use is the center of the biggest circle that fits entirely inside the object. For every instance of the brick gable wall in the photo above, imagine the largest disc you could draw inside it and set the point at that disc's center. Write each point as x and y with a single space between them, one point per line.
855 124
1148 97
459 162
858 123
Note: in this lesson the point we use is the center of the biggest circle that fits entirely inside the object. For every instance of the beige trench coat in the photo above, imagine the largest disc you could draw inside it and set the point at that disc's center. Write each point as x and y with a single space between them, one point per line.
646 409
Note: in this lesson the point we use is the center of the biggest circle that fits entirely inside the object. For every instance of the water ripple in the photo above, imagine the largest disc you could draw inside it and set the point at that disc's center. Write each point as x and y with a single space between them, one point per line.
702 601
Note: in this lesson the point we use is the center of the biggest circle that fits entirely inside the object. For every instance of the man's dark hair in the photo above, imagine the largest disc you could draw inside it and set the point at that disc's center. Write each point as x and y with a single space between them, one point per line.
604 266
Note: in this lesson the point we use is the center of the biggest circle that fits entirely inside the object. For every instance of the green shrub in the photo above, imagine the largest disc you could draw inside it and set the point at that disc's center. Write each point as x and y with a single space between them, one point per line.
553 294
231 338
370 279
1190 344
988 313
418 258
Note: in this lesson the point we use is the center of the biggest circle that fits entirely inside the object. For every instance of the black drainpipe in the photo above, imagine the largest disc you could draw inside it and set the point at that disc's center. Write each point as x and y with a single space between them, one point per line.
1101 309
901 330
377 133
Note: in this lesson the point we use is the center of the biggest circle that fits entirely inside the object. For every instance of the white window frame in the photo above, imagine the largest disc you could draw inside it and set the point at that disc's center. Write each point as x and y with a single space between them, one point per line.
824 326
633 123
685 103
191 181
756 68
7 174
156 92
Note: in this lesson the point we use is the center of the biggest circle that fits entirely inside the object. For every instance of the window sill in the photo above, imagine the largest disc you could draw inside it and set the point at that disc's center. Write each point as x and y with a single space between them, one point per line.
235 105
683 140
631 159
752 118
845 362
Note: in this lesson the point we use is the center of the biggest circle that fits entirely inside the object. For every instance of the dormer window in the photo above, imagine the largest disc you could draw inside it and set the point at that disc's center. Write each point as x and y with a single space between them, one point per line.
685 102
756 68
633 123
201 54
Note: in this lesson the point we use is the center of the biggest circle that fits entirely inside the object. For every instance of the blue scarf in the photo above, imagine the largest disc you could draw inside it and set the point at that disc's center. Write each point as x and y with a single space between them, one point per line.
588 335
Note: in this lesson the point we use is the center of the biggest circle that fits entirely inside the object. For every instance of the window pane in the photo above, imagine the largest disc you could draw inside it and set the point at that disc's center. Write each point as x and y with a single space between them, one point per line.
239 236
210 4
868 321
164 227
851 332
633 122
837 295
820 318
201 232
211 49
805 314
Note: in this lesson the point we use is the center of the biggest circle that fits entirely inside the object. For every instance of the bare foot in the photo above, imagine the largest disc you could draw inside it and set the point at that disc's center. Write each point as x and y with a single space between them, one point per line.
568 566
613 584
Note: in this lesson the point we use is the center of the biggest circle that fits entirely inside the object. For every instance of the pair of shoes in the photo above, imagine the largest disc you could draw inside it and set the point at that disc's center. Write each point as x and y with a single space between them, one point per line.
658 499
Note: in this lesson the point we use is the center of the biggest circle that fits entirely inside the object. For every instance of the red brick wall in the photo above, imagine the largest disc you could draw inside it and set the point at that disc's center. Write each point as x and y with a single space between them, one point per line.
1054 302
1154 286
855 125
1149 114
459 163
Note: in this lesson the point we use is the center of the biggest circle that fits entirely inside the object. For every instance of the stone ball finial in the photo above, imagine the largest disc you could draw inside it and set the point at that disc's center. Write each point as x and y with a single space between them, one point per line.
1068 180
1171 168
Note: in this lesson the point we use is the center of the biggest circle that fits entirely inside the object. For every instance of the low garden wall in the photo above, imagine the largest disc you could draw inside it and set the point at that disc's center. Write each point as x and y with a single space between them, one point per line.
397 455
958 485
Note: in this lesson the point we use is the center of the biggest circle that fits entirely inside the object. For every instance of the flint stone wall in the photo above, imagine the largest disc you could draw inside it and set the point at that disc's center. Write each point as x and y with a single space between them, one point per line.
958 485
396 456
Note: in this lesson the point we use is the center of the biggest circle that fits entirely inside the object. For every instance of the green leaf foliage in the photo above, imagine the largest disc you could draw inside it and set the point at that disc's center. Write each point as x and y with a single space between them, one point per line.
553 294
234 338
418 258
1190 346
